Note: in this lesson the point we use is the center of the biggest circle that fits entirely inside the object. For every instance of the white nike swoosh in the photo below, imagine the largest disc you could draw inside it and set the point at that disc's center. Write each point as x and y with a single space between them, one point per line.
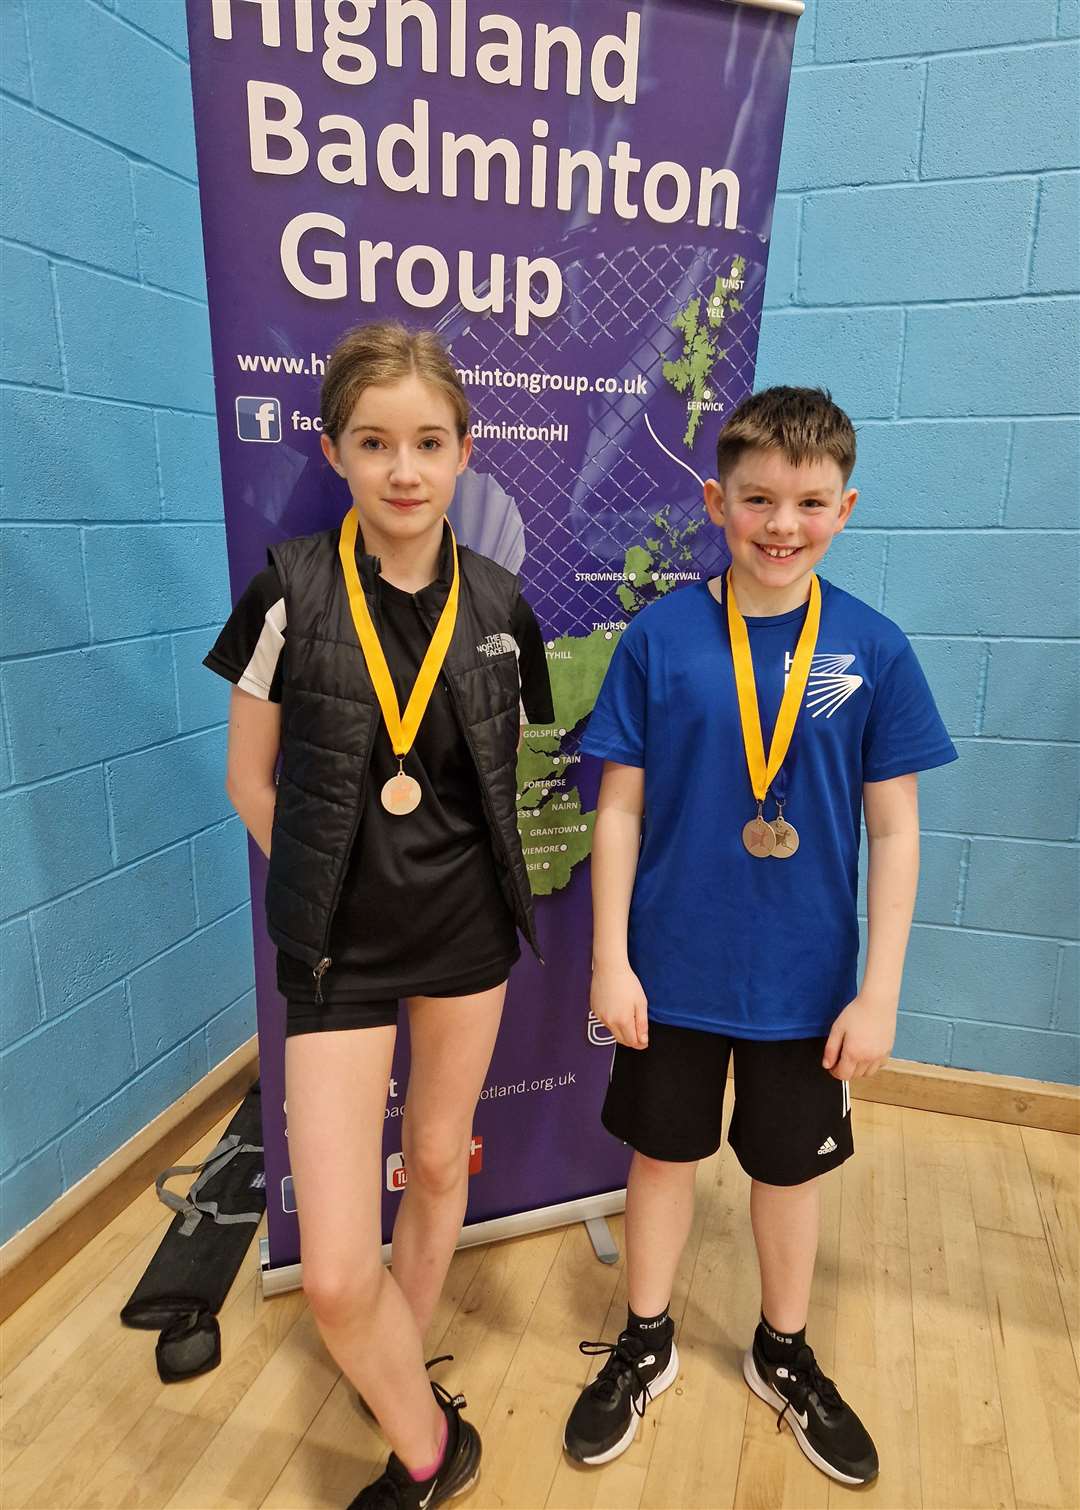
427 1497
802 1416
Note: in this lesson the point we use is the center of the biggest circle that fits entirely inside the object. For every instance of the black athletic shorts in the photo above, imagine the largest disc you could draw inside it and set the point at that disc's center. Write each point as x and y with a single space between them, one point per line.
791 1118
333 1016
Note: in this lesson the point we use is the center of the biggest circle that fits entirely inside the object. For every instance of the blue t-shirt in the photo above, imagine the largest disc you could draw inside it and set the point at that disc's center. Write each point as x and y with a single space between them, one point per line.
722 941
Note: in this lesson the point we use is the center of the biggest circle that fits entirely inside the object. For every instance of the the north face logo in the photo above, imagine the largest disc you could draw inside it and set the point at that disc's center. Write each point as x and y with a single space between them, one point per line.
497 644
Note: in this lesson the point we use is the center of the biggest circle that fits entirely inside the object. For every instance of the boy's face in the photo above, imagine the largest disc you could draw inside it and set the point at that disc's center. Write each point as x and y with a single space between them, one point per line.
779 519
401 456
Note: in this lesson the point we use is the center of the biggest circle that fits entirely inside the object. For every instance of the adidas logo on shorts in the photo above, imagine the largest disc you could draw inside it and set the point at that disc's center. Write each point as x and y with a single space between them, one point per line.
829 1146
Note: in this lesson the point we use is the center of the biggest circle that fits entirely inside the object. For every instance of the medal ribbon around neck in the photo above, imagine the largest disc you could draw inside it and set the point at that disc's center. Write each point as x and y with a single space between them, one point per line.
762 771
402 728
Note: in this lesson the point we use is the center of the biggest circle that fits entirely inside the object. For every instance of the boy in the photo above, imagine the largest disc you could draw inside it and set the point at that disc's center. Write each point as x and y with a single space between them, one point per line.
743 721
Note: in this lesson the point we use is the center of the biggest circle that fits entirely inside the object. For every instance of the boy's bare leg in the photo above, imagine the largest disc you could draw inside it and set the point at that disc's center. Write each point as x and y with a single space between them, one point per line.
452 1039
644 1361
785 1223
659 1211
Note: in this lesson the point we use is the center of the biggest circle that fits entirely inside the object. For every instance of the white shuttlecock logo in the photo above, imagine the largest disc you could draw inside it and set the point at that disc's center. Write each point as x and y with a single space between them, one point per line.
830 684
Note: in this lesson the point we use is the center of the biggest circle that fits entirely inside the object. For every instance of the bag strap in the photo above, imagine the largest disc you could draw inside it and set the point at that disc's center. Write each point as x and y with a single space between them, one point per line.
194 1210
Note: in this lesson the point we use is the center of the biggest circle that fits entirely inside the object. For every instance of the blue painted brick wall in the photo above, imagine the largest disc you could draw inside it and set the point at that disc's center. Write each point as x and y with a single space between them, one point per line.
923 265
125 933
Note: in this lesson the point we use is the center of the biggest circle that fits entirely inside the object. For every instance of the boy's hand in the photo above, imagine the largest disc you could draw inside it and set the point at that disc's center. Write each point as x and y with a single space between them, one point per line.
617 999
861 1039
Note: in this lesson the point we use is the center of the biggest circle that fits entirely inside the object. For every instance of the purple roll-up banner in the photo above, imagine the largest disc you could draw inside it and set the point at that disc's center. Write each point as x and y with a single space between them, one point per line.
578 195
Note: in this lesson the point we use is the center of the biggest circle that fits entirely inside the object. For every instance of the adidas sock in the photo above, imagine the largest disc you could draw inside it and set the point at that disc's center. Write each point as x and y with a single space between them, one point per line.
421 1475
655 1329
779 1347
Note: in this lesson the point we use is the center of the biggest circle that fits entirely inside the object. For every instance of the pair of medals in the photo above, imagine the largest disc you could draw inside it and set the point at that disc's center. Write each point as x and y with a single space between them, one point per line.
779 839
401 794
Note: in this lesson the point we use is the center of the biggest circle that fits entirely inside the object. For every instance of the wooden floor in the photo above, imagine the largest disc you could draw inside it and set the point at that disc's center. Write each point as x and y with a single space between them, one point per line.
945 1305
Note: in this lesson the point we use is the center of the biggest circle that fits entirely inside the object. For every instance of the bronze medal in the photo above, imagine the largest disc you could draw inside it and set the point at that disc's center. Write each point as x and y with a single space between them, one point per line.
759 837
400 795
787 839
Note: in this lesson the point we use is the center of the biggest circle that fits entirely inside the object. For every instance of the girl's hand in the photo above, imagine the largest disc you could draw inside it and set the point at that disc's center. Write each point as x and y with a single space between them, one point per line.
617 999
862 1038
254 743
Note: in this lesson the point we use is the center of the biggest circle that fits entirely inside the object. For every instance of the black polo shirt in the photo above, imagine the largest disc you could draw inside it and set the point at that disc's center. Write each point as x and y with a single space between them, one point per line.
421 910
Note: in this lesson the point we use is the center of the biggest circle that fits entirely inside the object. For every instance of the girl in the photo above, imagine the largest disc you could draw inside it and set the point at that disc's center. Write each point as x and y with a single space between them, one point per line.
388 667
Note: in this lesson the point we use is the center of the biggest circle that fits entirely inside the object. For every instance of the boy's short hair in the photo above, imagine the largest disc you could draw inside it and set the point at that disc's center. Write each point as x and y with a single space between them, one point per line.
803 423
381 353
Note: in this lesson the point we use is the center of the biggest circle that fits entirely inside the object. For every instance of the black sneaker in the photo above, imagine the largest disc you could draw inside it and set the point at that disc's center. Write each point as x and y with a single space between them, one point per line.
604 1421
396 1489
828 1430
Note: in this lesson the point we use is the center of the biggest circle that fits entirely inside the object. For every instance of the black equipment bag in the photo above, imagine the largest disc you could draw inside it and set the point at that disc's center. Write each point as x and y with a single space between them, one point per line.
189 1276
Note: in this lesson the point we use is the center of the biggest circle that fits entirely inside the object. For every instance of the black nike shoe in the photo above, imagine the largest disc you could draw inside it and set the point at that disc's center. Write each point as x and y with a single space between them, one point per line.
604 1421
828 1430
396 1489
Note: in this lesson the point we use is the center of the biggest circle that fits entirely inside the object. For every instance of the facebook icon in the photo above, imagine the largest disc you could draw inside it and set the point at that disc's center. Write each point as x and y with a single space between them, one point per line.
258 418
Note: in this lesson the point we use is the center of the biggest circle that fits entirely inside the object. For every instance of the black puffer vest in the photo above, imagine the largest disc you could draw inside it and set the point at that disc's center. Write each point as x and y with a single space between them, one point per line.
330 716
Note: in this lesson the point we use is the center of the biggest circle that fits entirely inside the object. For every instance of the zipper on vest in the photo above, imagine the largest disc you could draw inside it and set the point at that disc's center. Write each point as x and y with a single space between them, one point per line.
318 972
493 826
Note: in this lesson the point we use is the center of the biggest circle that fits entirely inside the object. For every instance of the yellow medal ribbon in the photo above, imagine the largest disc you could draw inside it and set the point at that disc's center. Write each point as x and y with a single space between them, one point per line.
762 772
401 729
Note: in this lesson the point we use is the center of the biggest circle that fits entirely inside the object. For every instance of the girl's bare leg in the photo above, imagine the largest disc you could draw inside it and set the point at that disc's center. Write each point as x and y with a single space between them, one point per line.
452 1041
336 1084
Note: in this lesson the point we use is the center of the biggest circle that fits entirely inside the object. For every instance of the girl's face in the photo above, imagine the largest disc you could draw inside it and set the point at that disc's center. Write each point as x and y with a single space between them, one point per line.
401 456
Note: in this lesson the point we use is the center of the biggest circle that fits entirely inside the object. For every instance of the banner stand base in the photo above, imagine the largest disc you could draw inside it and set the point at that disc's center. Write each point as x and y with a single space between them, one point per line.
591 1209
602 1240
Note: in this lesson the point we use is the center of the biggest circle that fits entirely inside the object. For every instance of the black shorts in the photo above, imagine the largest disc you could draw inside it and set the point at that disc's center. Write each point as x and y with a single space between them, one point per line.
791 1118
333 1016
